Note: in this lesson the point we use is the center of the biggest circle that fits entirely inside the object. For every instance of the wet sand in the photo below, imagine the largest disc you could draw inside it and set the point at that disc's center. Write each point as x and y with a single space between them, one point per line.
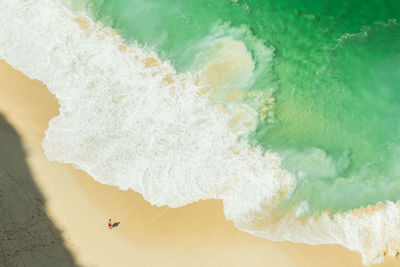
76 209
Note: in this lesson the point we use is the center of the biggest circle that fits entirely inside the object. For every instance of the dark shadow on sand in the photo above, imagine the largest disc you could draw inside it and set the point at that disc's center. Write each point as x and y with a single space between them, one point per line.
114 225
27 236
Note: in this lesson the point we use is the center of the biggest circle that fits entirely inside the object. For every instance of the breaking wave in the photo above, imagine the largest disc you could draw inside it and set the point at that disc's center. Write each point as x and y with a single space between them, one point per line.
130 120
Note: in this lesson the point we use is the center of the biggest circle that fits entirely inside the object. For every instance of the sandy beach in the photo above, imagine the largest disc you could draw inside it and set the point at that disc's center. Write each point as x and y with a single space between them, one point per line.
55 215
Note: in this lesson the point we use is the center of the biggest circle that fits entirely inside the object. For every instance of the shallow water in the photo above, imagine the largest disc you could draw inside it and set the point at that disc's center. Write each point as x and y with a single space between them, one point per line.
335 77
131 120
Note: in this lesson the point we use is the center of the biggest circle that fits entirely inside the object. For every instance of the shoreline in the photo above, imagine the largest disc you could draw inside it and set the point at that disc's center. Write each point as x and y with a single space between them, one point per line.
148 235
78 81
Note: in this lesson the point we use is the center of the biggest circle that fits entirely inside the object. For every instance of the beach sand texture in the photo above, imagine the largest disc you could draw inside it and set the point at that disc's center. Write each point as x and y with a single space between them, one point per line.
54 215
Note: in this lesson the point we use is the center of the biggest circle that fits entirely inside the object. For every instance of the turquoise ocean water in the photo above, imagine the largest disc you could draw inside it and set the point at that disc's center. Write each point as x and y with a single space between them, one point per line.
335 78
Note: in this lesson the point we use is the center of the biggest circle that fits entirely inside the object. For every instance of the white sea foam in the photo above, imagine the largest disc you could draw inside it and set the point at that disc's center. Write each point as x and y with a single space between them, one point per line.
129 120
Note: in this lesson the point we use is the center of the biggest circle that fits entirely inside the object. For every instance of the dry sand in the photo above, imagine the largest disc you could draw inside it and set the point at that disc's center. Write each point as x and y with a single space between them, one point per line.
67 208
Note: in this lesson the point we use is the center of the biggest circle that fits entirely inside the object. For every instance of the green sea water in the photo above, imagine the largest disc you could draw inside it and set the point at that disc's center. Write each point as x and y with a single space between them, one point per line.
335 74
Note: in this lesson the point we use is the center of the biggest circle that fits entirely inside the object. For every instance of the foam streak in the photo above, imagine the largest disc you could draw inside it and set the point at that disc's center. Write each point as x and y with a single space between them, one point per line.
129 120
